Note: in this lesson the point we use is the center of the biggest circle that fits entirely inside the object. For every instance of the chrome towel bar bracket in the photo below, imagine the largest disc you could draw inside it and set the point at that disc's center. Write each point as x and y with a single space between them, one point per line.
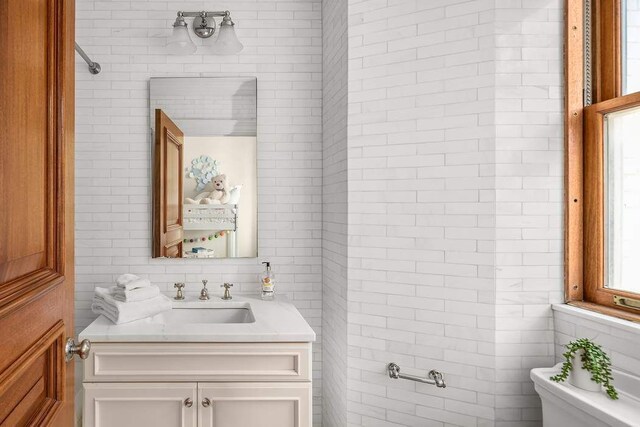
434 377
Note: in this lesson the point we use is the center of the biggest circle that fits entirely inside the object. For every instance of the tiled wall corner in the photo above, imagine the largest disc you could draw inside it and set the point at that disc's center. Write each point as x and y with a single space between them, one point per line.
334 212
421 209
529 199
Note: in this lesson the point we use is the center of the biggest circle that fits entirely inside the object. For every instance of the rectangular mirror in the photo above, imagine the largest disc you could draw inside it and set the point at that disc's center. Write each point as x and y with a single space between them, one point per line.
205 190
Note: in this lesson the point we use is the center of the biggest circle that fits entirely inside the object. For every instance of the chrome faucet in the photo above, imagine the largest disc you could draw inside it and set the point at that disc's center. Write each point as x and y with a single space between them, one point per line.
204 293
179 294
227 294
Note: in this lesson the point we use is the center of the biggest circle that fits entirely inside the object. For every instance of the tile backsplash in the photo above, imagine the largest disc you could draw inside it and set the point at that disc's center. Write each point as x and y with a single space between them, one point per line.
283 49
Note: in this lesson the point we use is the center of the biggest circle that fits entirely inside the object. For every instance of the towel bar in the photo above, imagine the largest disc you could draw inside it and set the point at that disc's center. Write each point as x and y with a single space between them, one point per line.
434 377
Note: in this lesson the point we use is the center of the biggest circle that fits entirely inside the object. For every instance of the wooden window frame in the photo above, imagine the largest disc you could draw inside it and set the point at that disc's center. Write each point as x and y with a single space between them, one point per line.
584 152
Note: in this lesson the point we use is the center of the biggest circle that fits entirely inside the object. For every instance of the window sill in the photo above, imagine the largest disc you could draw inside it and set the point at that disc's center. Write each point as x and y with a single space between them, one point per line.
604 319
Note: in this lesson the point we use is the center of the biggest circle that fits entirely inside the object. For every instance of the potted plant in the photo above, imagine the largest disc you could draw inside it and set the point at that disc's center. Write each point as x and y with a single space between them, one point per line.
595 371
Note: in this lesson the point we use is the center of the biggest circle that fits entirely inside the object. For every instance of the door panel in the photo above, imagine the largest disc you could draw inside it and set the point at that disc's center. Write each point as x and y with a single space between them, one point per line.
174 152
36 210
255 404
25 248
37 382
140 404
167 188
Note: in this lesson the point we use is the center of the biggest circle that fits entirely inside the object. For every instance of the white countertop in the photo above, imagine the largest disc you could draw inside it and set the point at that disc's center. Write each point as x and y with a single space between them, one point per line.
275 321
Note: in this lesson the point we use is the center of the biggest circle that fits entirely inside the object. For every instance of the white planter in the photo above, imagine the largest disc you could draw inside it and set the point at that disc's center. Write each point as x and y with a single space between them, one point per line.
581 378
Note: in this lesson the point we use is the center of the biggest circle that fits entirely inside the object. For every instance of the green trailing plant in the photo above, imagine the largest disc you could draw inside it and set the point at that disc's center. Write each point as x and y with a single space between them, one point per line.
594 360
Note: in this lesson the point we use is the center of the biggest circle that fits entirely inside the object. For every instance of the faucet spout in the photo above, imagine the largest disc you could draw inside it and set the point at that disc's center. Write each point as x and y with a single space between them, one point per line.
204 293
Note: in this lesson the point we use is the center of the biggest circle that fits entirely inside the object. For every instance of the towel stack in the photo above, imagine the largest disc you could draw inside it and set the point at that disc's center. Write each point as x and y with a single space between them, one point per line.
130 288
132 298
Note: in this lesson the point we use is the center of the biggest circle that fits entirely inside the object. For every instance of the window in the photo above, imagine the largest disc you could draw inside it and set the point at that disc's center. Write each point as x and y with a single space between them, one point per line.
603 156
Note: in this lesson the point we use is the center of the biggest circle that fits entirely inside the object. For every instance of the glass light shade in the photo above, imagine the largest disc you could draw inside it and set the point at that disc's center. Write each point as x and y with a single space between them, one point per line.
179 42
227 42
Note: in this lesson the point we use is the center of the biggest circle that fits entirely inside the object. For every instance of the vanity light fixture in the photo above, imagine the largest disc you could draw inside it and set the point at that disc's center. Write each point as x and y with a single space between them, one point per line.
204 26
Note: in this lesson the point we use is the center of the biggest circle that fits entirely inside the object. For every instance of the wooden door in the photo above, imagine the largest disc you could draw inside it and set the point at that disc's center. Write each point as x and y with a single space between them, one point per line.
167 188
140 405
36 211
254 404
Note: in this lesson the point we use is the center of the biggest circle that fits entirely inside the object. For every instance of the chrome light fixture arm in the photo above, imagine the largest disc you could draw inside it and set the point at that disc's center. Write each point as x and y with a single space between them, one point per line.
202 27
203 14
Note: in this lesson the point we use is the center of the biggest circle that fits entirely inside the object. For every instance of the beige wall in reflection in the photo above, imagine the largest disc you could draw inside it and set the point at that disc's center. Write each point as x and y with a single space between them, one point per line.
237 159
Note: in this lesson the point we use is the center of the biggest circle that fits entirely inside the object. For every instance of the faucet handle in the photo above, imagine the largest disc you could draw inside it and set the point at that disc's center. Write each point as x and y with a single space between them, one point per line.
204 282
227 294
179 294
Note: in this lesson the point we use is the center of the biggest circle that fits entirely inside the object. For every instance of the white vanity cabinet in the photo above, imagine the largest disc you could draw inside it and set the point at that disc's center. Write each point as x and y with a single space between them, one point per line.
140 404
198 385
254 404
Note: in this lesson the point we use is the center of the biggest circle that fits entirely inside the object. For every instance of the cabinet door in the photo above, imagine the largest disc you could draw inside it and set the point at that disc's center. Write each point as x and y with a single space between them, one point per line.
254 404
140 404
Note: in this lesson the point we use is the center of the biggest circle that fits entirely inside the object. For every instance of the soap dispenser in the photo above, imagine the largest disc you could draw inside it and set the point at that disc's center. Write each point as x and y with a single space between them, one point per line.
267 280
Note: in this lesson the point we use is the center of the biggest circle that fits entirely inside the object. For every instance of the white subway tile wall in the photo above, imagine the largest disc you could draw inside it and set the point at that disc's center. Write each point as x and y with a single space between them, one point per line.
529 199
415 217
421 211
283 49
454 207
334 212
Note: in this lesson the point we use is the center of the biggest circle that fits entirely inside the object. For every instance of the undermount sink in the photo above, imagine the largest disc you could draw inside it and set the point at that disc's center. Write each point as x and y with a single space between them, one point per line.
194 314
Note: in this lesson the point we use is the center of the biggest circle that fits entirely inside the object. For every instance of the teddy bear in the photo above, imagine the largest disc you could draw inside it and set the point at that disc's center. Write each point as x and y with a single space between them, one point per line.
219 195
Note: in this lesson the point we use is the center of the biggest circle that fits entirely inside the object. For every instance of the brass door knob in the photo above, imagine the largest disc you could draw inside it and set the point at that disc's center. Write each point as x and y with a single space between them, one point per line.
71 348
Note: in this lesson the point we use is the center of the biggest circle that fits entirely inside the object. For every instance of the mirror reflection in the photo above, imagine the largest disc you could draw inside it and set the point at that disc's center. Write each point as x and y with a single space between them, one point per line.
204 167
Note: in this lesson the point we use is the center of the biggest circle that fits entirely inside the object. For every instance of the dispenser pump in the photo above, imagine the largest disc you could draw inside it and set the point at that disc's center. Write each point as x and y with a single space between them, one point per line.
267 281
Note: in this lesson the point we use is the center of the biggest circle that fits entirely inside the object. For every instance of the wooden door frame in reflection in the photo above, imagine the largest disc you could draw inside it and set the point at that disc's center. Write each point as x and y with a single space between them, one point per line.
167 230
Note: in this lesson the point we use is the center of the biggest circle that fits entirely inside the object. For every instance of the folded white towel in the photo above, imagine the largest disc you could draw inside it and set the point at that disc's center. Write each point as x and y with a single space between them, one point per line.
138 294
123 312
126 278
131 281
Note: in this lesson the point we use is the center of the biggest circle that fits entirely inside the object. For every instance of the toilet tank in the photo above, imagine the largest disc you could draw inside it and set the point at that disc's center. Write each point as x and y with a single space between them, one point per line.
567 406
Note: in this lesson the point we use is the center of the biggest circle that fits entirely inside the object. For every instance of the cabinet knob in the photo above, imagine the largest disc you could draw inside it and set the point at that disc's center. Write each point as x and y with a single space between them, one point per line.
188 402
206 402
